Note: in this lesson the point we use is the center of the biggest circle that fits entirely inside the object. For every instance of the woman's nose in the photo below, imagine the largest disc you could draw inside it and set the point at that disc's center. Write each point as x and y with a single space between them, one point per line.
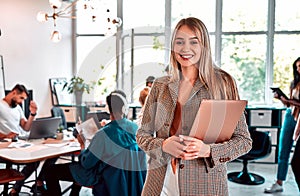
185 47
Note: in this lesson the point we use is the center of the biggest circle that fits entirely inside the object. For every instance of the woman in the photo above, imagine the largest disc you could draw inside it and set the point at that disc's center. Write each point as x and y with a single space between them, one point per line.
287 130
294 101
179 164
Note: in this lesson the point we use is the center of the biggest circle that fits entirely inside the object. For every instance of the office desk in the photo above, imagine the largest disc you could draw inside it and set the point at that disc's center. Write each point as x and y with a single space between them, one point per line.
37 152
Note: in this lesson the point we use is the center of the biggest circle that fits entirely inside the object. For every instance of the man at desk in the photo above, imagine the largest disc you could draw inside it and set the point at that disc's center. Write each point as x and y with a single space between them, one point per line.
12 119
13 123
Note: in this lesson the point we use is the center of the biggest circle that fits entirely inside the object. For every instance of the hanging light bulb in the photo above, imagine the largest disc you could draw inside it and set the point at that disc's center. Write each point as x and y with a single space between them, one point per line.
55 36
118 22
55 3
42 16
68 12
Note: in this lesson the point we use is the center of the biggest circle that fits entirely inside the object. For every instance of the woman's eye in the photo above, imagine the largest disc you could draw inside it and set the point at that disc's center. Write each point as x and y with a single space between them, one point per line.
179 42
194 42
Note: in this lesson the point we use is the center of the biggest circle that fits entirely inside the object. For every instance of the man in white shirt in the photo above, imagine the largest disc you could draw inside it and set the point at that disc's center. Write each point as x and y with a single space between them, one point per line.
12 119
14 123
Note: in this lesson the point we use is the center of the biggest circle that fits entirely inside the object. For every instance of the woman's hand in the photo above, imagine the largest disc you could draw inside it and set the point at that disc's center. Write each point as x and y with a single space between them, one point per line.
276 96
195 148
174 146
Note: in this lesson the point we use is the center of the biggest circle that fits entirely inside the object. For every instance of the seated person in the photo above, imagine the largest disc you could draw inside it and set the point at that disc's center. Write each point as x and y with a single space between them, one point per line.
13 123
142 99
113 163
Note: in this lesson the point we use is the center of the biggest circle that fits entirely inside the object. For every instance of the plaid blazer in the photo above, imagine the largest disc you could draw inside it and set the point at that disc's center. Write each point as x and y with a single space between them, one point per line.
202 176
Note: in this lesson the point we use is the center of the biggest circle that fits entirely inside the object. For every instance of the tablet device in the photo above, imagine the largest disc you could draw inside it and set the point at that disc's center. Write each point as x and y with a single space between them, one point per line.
279 92
216 120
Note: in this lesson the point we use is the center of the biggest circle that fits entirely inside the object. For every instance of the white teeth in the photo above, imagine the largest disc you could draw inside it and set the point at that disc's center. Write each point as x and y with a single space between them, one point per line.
187 56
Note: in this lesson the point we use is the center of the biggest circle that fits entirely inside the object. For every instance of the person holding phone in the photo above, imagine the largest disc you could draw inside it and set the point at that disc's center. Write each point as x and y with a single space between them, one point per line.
180 164
287 131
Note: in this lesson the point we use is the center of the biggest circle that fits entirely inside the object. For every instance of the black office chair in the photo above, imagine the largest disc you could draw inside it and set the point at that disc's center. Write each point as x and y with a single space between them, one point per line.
261 147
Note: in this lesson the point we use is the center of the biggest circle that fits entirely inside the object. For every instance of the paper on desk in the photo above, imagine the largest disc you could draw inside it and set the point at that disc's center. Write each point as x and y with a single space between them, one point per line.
20 145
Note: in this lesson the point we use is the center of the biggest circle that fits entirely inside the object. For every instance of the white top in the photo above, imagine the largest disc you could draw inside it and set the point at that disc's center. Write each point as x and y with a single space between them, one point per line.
171 184
10 118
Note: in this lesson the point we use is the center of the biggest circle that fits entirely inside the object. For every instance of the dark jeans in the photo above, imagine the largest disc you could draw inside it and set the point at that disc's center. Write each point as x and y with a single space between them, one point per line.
29 168
58 172
296 162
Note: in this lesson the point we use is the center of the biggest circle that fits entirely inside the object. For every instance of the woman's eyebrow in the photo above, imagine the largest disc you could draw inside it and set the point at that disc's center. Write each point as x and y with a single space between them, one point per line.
194 38
181 38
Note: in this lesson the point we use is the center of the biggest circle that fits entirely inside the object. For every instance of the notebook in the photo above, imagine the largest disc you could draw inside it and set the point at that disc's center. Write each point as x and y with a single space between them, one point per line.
88 128
216 120
43 128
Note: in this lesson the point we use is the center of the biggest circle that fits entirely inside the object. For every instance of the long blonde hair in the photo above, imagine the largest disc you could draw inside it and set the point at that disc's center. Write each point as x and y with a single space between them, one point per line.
218 82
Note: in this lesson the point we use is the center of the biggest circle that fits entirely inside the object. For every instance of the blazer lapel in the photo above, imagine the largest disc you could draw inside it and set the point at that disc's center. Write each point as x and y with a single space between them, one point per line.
173 88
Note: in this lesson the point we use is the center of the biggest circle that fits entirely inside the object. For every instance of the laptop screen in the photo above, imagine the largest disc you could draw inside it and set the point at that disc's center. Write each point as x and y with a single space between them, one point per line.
44 127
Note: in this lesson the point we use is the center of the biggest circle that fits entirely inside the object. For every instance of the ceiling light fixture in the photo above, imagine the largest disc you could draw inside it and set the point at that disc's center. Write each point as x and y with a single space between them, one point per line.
69 12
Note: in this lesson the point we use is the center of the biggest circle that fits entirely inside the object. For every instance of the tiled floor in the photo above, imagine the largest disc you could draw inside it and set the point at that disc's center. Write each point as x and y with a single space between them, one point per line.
266 170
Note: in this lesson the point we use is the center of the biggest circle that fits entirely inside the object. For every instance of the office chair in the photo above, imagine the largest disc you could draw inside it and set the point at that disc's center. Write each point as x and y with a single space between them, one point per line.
261 147
7 176
58 112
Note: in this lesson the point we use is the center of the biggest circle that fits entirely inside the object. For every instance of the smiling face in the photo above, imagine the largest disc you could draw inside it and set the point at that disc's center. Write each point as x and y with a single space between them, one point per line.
187 47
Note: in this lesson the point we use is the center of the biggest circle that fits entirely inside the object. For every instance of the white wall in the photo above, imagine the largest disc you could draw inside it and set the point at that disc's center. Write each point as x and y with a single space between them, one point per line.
29 56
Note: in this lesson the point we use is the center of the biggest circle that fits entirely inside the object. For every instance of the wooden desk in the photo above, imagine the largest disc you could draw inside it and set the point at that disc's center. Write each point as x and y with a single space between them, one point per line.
37 152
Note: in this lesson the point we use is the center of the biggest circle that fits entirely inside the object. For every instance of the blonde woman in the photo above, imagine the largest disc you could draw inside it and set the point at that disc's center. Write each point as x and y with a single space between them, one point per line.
169 113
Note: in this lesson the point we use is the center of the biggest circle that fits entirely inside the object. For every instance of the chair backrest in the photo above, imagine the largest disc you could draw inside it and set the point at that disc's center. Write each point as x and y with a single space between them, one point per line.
58 112
261 145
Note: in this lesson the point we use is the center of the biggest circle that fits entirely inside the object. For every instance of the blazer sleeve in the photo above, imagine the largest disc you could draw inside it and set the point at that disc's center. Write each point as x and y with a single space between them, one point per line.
146 134
239 144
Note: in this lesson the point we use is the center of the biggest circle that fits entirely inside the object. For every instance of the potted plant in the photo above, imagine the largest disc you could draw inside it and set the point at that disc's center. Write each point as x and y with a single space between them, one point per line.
60 133
78 86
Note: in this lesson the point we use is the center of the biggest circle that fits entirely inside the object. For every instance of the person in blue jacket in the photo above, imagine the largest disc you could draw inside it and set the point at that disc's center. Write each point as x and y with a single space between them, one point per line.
113 164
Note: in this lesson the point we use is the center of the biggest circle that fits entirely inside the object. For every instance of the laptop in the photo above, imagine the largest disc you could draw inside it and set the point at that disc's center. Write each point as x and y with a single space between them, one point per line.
216 120
98 115
43 128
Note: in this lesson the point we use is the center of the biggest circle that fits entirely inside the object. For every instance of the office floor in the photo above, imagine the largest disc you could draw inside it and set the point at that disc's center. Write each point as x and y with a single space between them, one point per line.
266 170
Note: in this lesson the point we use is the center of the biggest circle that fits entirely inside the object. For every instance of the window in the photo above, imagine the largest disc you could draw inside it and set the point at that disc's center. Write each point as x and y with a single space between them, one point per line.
255 41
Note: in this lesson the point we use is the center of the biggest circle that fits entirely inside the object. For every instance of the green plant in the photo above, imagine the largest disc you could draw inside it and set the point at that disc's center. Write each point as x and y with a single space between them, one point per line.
60 129
77 84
